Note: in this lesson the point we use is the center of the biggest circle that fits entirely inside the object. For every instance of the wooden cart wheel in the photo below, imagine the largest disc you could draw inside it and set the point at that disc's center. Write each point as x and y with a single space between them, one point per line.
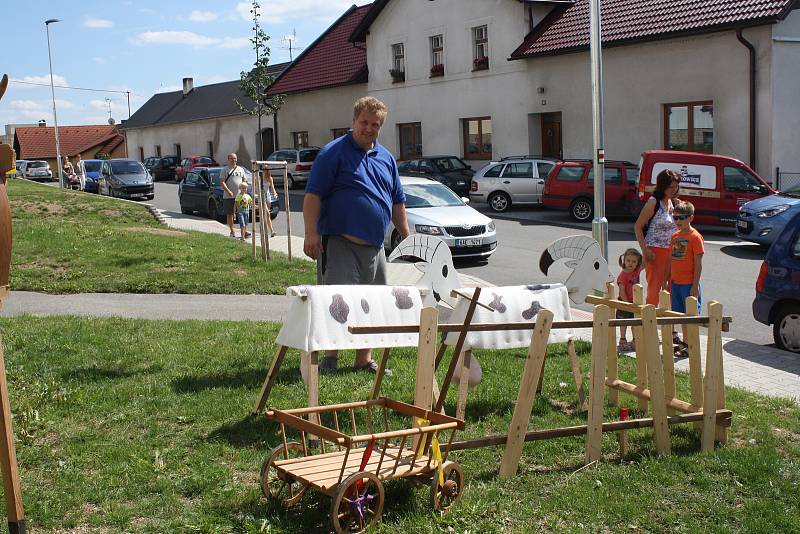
443 497
357 503
276 486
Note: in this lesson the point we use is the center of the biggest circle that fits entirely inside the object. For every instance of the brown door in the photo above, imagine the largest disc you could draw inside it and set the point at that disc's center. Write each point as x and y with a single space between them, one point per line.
267 142
551 135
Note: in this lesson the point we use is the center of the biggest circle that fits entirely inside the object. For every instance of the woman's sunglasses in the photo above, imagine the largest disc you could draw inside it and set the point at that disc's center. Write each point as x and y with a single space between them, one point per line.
681 217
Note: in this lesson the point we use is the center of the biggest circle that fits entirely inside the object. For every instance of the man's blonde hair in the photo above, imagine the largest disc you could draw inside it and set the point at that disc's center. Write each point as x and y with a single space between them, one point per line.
370 104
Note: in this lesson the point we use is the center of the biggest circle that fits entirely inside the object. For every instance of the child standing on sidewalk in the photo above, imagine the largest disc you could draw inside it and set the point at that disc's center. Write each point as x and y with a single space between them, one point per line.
631 263
243 202
686 265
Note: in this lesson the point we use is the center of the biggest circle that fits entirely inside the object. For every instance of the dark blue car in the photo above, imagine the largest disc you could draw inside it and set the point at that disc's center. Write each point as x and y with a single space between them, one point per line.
92 167
201 191
777 301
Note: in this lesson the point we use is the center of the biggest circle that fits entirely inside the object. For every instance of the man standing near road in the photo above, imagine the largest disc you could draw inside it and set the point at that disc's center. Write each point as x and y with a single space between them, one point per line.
352 193
230 178
80 169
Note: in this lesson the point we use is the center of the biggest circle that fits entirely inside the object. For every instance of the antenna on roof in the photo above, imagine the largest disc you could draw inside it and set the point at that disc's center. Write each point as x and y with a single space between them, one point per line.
290 39
110 118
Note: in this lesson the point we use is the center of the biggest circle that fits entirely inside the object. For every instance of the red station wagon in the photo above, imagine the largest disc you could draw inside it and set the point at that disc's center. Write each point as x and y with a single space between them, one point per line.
192 162
570 186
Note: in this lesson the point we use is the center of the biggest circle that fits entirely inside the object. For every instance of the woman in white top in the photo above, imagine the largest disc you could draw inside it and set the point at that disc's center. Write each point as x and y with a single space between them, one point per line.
656 214
268 186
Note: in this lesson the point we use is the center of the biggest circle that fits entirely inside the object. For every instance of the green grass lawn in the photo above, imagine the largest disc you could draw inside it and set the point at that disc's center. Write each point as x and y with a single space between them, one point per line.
67 242
144 426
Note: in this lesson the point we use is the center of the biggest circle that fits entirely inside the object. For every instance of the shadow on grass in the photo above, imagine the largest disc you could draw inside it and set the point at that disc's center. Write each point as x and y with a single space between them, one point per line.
246 378
94 373
249 431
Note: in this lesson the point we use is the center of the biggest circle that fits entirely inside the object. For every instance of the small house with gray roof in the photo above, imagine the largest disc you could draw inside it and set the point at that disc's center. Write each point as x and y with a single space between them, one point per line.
202 120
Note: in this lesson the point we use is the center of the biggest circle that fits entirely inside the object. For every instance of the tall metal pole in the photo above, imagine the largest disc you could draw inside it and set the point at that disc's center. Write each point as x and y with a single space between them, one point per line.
128 93
53 93
599 223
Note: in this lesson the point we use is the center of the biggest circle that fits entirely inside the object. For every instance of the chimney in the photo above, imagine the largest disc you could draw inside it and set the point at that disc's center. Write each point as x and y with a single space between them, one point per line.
42 123
188 85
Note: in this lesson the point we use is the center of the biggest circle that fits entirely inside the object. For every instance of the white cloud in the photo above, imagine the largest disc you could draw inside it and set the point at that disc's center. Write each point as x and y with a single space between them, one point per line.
98 59
280 11
146 11
26 110
191 39
202 16
45 79
92 22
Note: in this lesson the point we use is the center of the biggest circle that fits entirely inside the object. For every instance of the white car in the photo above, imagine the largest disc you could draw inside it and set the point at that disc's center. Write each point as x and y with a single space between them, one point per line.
512 180
38 170
433 209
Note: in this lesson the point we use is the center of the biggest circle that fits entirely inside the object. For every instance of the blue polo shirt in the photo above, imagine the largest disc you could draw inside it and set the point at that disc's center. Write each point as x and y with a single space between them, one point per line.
358 189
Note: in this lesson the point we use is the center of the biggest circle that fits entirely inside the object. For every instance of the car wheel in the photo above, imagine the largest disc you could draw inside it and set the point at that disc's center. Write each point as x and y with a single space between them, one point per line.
213 210
499 201
581 210
291 181
786 329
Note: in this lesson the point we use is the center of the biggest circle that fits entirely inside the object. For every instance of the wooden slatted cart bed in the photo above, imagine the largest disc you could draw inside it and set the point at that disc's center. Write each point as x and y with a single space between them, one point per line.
351 468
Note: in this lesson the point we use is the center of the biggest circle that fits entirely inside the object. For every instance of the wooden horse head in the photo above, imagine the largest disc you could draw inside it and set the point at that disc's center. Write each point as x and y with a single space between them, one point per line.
7 163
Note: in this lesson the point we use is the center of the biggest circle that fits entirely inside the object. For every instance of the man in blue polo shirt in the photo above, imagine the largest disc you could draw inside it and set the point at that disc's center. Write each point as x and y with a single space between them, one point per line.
352 193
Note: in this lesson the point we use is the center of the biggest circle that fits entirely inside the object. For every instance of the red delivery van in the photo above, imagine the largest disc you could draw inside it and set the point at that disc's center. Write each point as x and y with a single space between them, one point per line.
717 185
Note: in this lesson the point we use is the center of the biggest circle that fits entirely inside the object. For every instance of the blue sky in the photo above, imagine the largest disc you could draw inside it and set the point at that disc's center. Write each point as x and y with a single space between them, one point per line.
143 46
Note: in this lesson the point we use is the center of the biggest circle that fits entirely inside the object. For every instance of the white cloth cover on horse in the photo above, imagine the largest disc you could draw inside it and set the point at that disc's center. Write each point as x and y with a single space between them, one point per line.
318 316
511 304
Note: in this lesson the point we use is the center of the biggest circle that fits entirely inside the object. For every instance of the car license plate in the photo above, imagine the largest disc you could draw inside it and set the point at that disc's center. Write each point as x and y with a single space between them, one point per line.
741 226
137 195
475 242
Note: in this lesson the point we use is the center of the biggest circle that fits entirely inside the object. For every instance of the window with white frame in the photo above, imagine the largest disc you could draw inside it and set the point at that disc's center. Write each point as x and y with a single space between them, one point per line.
398 57
480 47
437 52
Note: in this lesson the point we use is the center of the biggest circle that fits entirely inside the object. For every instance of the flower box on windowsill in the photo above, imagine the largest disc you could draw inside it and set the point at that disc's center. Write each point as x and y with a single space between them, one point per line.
437 70
397 75
480 63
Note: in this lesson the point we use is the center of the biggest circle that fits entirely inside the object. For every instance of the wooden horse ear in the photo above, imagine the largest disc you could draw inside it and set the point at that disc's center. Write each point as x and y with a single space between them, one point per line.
3 85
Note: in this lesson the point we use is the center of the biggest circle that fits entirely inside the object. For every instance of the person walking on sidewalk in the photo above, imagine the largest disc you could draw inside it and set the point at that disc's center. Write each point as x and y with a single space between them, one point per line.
686 265
230 178
352 193
654 229
244 203
80 170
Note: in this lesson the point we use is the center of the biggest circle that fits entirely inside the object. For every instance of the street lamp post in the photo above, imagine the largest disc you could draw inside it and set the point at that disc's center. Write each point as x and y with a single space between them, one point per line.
53 93
600 223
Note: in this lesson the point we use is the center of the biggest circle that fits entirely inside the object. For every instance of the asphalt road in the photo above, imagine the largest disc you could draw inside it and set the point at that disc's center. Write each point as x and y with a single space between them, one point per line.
730 267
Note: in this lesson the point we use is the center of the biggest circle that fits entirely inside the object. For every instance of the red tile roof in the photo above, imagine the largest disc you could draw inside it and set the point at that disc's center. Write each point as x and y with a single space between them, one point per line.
40 142
330 61
567 29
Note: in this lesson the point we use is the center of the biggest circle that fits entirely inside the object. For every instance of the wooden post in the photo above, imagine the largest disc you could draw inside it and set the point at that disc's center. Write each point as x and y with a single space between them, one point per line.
711 397
655 377
376 388
8 456
577 375
612 358
597 383
253 170
270 380
667 350
526 395
426 362
695 366
287 208
310 362
463 384
638 339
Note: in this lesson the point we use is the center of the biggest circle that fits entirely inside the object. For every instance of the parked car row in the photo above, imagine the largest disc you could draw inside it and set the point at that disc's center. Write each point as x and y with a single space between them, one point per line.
34 170
201 191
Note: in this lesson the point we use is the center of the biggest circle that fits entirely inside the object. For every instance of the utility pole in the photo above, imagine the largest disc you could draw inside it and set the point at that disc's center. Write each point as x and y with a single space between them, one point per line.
599 223
53 93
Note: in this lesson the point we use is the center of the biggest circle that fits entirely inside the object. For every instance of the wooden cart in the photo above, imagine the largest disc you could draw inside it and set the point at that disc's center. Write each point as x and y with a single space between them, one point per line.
352 468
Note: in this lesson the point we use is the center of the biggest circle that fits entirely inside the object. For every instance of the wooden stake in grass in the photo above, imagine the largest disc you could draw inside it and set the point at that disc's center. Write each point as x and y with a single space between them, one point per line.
714 378
526 395
622 435
638 340
655 377
667 350
597 383
612 358
695 367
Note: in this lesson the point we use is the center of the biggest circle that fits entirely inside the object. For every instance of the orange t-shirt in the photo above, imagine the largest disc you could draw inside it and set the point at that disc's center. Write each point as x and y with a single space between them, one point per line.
684 247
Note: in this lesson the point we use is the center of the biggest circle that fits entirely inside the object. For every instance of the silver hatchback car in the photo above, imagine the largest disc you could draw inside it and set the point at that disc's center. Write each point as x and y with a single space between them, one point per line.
300 161
512 180
433 209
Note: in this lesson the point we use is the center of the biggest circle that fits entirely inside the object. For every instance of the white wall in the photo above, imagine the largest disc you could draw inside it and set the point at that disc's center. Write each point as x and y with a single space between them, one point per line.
785 82
232 134
318 112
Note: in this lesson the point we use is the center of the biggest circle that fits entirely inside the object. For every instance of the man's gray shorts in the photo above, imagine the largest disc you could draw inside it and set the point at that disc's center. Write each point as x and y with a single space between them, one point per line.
346 263
228 205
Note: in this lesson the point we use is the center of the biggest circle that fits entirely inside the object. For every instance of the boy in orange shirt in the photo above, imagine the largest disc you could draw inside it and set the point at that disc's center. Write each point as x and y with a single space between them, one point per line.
686 265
